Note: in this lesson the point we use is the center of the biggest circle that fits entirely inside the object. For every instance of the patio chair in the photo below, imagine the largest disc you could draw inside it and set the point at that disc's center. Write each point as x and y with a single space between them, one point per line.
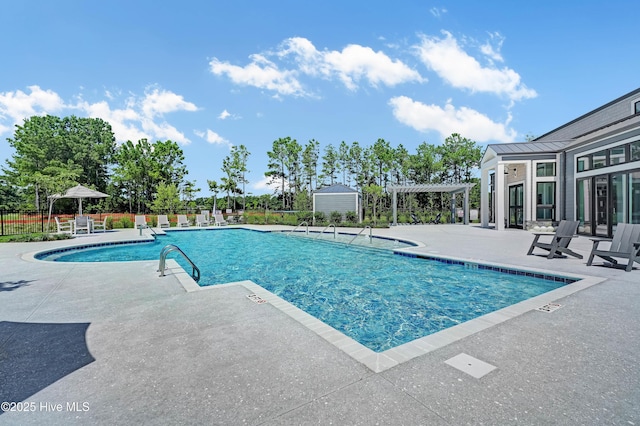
201 221
219 220
437 219
81 223
141 222
64 227
625 244
415 219
559 245
183 222
206 214
163 221
100 226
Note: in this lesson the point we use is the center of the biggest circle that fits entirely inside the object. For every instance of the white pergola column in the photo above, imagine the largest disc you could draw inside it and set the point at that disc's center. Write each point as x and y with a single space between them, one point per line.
499 201
484 197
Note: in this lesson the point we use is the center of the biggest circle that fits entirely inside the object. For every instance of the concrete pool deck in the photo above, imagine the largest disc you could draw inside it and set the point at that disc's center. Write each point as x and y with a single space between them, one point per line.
116 344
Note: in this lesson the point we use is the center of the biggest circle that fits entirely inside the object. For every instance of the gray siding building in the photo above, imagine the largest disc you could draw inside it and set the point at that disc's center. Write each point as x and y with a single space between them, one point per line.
337 197
586 170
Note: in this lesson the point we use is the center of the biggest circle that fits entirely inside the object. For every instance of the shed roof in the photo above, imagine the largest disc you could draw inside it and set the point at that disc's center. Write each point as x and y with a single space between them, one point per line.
336 188
432 187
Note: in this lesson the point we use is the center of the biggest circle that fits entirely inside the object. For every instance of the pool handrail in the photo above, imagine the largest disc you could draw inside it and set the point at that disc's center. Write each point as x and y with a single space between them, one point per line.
335 230
361 231
195 273
298 226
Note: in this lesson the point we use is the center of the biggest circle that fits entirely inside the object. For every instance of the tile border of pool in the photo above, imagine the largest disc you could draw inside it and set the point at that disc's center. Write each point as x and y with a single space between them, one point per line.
381 361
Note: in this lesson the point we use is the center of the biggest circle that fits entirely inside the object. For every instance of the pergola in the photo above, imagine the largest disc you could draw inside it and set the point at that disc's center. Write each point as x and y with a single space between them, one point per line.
451 188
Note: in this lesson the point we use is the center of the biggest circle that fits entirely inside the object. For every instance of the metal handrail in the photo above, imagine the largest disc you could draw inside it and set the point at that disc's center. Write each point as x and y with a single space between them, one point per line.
195 273
335 231
298 226
361 231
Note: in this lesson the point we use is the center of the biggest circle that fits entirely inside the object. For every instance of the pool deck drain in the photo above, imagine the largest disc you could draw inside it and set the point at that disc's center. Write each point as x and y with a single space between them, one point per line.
470 365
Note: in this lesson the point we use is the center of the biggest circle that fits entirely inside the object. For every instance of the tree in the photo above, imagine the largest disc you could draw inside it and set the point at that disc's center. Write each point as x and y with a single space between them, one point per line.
50 151
329 164
213 187
277 163
310 156
459 156
167 199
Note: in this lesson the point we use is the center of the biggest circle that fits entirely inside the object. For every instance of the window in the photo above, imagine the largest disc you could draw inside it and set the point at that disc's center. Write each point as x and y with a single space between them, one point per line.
635 151
636 107
545 200
584 163
600 159
583 205
617 155
545 169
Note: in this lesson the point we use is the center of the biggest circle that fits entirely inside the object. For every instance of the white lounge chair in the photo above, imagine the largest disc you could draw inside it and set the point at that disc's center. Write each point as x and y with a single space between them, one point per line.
100 226
207 215
201 221
64 227
163 221
141 222
183 222
219 220
81 225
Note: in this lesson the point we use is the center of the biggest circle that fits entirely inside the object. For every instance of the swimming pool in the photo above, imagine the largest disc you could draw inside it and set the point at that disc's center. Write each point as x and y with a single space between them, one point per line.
377 297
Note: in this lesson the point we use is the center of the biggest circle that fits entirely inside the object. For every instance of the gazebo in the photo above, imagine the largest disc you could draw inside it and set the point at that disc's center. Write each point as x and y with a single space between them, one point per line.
451 188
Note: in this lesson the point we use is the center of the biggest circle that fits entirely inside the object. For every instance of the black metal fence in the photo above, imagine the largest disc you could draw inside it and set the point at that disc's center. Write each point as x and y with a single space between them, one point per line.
23 222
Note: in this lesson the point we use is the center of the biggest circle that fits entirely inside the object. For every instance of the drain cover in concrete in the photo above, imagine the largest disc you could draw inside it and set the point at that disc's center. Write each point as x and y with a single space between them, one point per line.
549 307
256 299
470 365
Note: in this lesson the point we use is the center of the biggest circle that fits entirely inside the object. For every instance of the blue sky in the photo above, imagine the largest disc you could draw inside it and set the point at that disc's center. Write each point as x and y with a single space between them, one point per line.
211 74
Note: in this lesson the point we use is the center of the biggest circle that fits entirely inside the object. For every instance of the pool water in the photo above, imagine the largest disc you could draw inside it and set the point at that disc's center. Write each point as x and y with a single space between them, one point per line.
374 296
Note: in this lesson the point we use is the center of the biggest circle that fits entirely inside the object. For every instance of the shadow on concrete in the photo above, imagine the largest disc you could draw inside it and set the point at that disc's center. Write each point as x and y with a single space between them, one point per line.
13 285
35 355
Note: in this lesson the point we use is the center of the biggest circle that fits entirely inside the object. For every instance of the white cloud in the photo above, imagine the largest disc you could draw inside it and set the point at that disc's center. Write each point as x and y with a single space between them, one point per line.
224 115
138 116
468 122
351 65
18 105
260 73
491 51
270 185
460 70
438 11
213 138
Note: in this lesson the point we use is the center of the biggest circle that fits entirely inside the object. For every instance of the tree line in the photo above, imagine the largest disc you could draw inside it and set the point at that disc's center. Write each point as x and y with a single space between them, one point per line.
53 154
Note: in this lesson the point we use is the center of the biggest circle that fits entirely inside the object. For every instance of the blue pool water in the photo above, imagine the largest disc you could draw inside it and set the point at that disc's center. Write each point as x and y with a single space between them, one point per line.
374 296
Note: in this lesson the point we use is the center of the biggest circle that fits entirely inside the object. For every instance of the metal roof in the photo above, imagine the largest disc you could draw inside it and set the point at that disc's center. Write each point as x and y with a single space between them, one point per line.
432 187
336 188
529 147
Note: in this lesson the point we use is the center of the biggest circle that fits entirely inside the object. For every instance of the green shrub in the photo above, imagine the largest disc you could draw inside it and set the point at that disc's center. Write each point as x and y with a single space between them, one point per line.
319 218
304 216
336 217
351 217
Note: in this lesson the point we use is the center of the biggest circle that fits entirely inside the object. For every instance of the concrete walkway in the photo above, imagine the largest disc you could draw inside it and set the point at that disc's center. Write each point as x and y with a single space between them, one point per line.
115 344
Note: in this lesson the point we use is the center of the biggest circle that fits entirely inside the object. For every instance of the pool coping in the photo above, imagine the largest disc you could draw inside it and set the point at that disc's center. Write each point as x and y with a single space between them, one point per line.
378 361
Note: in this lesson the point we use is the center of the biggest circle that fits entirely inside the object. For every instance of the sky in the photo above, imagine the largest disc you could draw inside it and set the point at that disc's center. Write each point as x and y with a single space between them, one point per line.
210 75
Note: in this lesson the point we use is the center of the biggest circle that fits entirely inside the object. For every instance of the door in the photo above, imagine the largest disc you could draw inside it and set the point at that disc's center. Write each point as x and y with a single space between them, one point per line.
516 206
601 207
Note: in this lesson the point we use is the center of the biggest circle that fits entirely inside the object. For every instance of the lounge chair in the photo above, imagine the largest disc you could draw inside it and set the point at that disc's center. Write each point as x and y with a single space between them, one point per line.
81 223
207 215
163 221
414 219
201 221
559 245
100 226
219 220
183 222
437 219
625 244
64 227
141 222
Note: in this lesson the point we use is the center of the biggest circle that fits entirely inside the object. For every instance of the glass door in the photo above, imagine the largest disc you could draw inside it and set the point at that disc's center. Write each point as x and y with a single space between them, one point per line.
602 206
516 206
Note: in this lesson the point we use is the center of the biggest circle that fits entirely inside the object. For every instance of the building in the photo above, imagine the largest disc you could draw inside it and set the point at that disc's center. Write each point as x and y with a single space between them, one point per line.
337 198
586 170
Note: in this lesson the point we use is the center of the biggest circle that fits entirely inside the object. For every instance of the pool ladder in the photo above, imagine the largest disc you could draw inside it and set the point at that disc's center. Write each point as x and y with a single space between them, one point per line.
358 234
299 225
195 273
335 230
